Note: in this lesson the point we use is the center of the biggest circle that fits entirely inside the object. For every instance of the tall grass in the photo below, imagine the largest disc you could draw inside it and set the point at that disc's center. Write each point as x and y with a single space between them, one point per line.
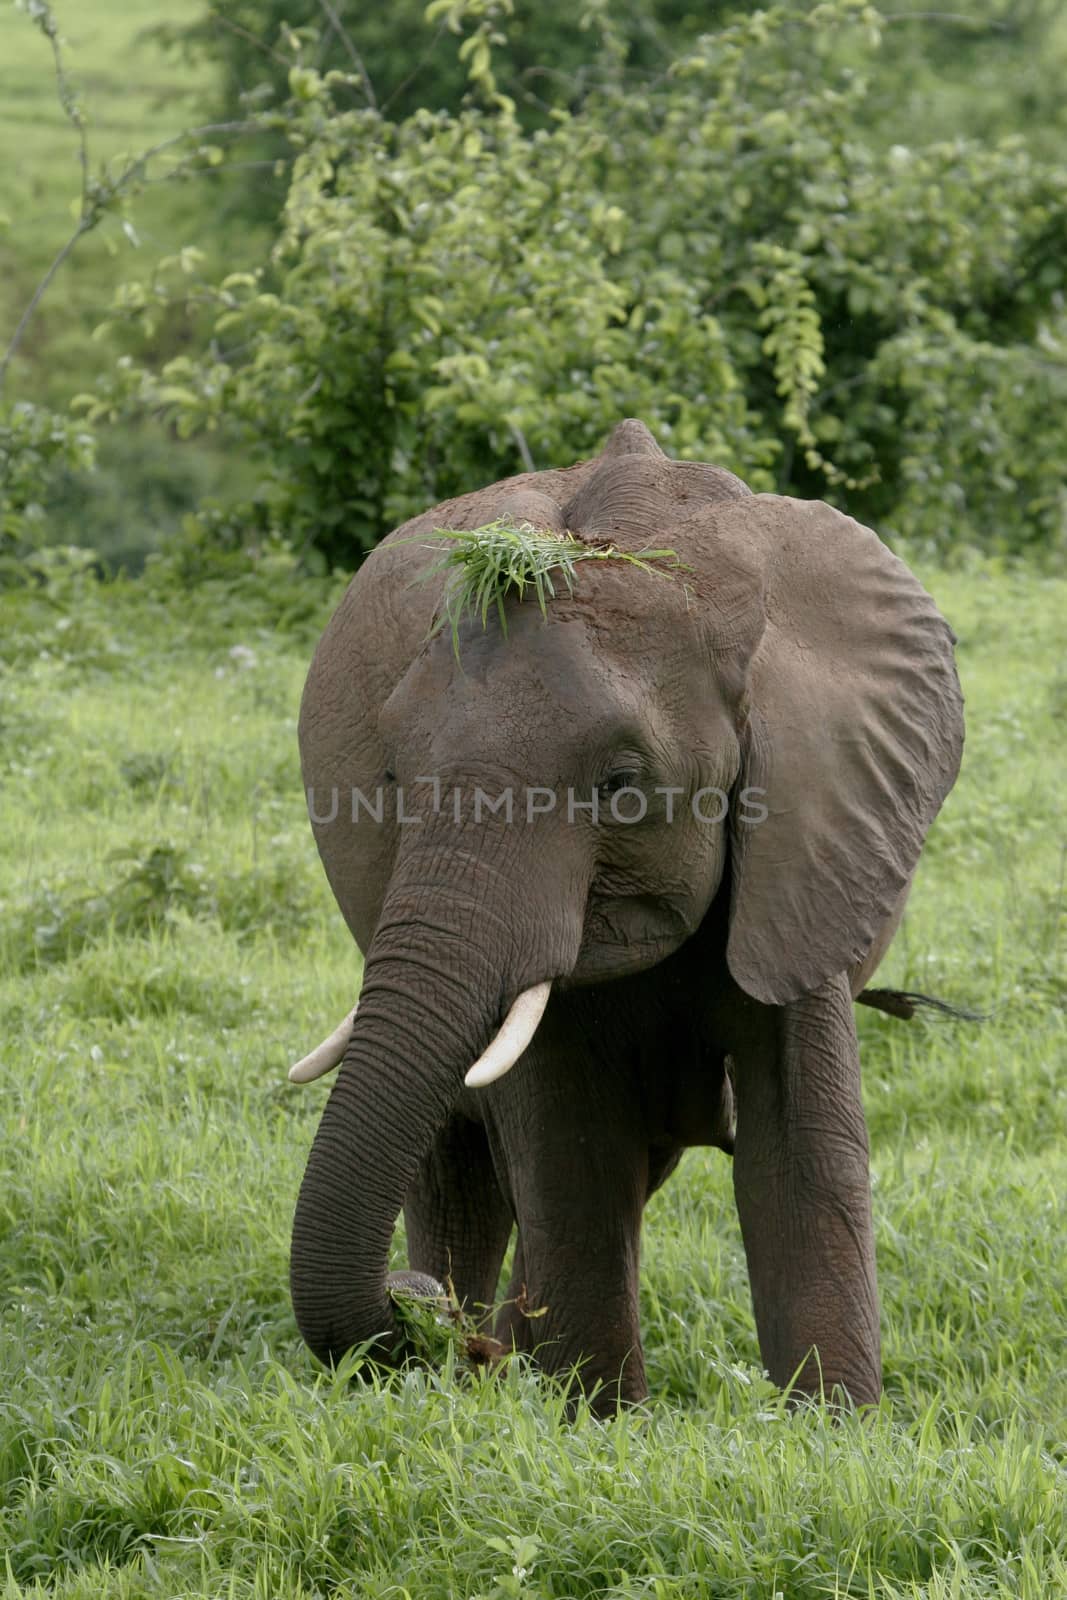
168 945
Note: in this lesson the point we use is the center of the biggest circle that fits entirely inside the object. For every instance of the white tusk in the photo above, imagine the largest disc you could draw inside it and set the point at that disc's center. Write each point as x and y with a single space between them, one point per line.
325 1056
516 1031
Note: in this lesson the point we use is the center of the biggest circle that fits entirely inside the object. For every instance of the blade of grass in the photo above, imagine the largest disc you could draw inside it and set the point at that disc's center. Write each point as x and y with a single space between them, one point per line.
484 565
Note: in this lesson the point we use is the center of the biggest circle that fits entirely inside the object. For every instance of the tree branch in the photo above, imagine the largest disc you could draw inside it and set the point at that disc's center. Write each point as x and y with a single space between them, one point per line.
38 294
42 15
357 60
957 18
95 202
245 33
523 448
417 68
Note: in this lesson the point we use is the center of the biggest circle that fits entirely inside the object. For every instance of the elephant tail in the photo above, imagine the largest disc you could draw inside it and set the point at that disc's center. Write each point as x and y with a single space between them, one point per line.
904 1003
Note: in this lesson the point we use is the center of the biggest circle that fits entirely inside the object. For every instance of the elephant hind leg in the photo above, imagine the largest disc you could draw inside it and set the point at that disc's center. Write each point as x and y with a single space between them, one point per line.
457 1220
803 1193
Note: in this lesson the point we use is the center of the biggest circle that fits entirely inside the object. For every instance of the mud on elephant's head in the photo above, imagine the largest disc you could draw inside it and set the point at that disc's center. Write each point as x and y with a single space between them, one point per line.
562 800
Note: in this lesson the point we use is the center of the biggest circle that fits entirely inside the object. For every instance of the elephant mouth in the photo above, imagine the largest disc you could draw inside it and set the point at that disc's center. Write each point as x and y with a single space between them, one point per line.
627 934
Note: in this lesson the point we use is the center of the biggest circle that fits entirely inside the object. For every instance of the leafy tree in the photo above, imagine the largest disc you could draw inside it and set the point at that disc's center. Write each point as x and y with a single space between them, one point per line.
43 451
987 67
722 253
34 444
549 52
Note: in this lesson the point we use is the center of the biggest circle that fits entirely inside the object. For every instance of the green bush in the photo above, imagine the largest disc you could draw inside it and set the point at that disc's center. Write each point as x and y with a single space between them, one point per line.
35 445
135 501
721 253
548 53
990 67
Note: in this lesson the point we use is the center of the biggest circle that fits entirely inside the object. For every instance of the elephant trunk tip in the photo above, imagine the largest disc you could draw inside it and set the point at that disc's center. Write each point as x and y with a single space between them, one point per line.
330 1336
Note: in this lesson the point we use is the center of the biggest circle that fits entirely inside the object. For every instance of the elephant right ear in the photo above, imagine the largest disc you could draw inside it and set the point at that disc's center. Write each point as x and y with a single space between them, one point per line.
853 739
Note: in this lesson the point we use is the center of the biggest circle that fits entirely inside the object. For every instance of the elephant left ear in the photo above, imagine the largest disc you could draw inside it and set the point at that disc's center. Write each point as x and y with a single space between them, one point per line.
854 737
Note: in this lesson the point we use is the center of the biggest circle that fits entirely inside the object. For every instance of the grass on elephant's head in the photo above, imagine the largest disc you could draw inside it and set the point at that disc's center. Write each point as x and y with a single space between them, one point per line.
484 565
168 945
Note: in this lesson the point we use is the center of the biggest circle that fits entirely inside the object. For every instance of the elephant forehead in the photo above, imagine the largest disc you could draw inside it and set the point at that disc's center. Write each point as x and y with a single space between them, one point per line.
506 695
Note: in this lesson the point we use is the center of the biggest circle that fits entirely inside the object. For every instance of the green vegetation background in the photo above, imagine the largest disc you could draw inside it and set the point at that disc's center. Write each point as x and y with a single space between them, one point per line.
823 246
168 945
133 96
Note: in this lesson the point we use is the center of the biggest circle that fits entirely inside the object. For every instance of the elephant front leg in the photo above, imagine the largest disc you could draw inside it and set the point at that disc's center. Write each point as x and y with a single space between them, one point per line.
579 1177
457 1221
802 1184
573 1304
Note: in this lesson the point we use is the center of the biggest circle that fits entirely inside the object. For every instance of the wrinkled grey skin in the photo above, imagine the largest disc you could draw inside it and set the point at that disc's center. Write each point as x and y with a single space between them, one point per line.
798 656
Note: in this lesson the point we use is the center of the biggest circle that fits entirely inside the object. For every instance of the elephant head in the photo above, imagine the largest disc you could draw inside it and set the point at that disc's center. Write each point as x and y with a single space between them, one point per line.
792 666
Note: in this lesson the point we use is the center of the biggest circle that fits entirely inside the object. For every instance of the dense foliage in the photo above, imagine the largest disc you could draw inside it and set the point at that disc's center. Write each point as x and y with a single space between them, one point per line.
548 54
722 254
35 444
988 67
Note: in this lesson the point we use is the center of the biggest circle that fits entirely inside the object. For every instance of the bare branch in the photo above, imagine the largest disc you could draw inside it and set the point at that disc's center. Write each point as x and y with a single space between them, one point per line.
38 294
67 98
357 60
253 39
139 161
417 68
95 201
523 448
957 18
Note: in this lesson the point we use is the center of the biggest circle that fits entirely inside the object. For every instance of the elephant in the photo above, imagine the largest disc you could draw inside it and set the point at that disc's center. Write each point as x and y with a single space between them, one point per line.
665 973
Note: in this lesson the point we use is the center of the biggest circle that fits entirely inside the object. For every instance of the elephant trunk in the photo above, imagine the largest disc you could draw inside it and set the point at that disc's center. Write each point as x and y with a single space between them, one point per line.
446 961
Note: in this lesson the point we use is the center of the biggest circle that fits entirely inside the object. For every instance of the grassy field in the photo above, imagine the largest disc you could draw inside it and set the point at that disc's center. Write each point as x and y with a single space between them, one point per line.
167 945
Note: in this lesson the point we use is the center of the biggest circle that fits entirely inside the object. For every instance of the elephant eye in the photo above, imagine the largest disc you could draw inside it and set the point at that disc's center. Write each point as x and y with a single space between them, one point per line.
617 781
390 775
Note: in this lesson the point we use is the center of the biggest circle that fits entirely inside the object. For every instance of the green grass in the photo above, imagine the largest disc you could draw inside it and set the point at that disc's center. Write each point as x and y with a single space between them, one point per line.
168 945
484 565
